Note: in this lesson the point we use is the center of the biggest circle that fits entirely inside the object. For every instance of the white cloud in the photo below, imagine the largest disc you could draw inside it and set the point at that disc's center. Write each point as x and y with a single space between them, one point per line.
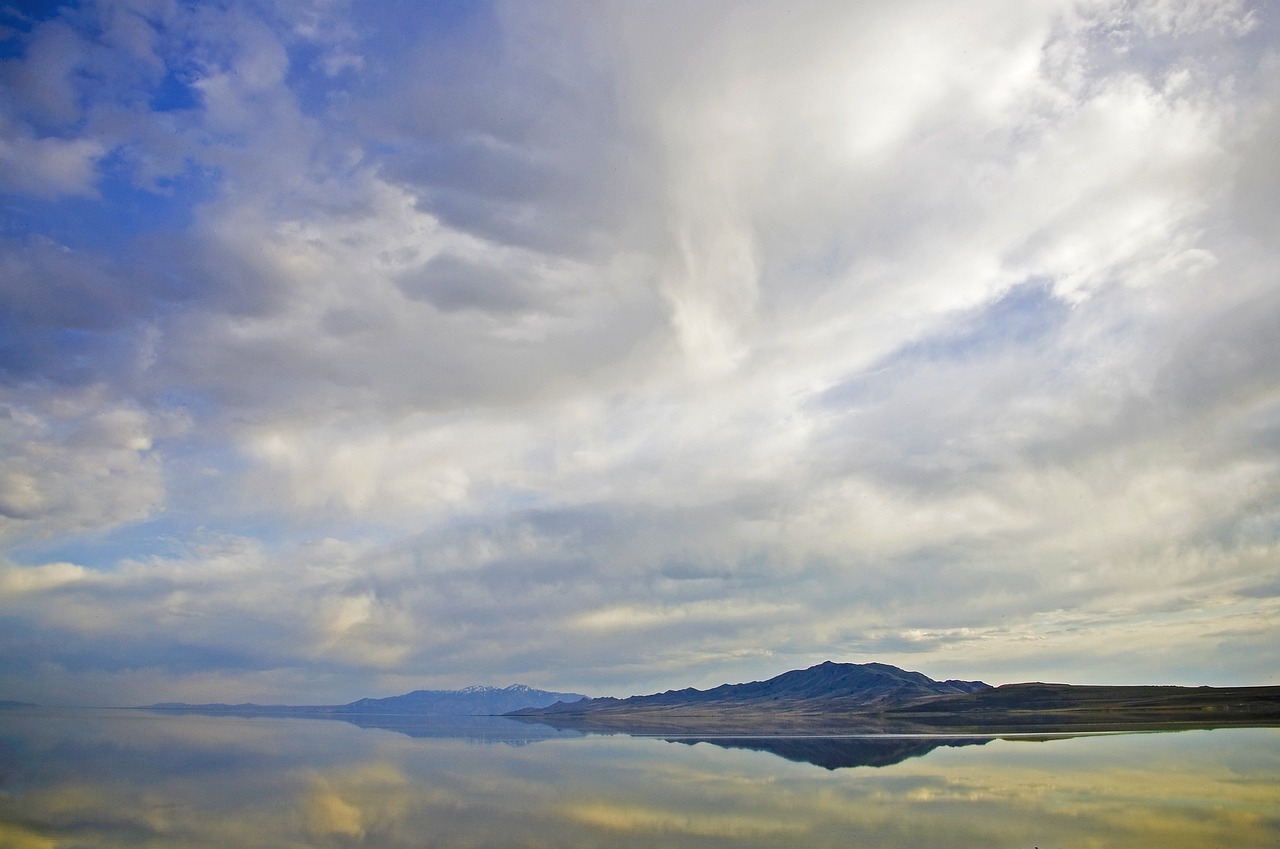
1180 18
49 167
16 580
76 461
814 330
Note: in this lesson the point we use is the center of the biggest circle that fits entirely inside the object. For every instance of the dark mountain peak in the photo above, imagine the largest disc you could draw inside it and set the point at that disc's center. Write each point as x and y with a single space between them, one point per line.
867 682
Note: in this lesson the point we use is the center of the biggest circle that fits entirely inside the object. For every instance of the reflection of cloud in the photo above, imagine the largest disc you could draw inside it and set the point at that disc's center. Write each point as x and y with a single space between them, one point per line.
351 801
126 779
617 816
117 780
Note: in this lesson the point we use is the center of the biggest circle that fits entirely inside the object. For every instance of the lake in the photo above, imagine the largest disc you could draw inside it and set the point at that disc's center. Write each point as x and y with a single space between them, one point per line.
104 778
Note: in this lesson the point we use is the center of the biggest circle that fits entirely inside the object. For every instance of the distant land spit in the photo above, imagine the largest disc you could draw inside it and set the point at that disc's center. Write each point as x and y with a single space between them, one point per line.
470 701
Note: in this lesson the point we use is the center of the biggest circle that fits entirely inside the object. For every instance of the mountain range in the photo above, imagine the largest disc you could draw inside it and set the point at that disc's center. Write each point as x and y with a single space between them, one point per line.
876 698
829 698
828 686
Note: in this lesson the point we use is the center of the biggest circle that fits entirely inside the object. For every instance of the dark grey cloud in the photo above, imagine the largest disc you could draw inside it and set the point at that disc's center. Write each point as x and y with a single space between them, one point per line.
1222 363
452 284
508 125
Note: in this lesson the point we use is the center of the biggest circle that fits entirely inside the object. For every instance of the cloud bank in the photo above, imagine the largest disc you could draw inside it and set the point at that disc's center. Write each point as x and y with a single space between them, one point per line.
349 350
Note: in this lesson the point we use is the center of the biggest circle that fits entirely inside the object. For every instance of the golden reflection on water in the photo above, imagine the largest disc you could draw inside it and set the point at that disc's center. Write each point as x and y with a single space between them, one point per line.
75 779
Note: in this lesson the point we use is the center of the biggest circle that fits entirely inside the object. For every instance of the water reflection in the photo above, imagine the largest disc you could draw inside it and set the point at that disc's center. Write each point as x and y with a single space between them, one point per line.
78 778
477 729
839 752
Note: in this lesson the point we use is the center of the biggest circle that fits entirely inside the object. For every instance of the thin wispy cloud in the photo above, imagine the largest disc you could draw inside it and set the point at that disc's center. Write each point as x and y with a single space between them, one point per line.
354 348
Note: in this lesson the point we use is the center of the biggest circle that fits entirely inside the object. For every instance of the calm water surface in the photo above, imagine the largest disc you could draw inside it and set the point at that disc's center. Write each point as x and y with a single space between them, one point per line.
81 778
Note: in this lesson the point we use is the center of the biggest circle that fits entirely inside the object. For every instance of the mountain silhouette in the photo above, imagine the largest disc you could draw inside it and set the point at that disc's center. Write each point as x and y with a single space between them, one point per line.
829 685
876 698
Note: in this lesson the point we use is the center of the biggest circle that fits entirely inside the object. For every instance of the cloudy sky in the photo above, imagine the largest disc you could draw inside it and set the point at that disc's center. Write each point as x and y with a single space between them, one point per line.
352 348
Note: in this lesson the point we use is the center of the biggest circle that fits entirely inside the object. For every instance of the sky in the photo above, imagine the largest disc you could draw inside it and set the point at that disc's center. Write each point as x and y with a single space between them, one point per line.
348 349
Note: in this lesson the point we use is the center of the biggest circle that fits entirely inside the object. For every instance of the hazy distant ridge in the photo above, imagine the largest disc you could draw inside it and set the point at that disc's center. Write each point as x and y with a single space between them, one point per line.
470 701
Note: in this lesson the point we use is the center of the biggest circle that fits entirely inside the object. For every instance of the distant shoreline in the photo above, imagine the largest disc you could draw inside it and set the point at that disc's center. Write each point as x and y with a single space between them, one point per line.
743 723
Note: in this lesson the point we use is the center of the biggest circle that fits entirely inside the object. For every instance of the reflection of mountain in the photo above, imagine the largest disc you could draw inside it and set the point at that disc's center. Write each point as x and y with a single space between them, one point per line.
839 752
474 729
